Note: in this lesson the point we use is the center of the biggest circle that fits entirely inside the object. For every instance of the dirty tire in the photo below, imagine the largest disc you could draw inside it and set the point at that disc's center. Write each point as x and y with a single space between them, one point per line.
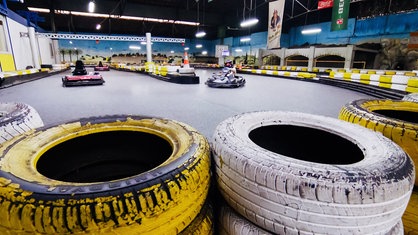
232 223
203 224
16 119
108 175
395 119
296 173
413 97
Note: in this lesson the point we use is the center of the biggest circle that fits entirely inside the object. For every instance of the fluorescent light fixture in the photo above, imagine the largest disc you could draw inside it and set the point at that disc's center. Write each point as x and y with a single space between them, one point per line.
199 46
238 50
186 48
135 47
200 34
98 26
91 6
311 31
204 52
172 52
124 17
246 39
249 22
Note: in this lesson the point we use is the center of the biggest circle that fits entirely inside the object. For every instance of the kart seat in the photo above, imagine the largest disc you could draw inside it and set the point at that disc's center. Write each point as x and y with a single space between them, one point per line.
79 68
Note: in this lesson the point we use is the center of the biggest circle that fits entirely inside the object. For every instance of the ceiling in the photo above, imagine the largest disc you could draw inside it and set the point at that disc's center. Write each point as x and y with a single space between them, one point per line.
219 18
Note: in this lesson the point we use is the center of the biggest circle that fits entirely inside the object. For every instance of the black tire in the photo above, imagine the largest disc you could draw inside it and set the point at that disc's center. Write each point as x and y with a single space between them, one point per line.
115 174
296 173
395 119
16 119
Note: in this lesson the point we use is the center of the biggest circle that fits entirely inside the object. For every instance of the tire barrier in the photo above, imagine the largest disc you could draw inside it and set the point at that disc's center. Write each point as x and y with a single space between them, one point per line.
413 97
231 223
109 175
395 119
296 173
16 119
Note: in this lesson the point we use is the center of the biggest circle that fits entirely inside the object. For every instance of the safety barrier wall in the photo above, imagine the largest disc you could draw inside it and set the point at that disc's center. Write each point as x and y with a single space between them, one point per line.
282 73
396 82
319 69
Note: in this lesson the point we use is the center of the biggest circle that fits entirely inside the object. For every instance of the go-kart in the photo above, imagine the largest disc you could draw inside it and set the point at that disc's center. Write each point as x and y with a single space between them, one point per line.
225 79
81 77
101 67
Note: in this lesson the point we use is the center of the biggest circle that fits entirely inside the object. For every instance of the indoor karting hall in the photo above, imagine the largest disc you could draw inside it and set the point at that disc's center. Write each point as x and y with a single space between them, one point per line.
76 121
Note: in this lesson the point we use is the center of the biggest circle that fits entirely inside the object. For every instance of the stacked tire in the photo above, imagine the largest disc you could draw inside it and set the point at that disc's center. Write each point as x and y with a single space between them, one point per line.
121 174
413 97
296 173
395 119
16 119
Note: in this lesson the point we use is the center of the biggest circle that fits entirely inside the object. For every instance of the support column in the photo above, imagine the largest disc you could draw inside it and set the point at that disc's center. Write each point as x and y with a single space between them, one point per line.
149 50
34 47
348 64
311 58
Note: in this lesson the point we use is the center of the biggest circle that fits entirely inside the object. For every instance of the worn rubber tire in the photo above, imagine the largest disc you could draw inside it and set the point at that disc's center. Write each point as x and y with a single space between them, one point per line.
109 175
296 173
232 223
413 97
395 119
16 119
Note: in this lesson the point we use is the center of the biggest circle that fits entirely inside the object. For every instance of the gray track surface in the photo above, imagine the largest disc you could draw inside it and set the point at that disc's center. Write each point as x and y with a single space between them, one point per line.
198 105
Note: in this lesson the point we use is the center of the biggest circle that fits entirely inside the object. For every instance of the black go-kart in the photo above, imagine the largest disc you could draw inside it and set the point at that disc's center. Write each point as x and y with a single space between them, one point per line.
225 79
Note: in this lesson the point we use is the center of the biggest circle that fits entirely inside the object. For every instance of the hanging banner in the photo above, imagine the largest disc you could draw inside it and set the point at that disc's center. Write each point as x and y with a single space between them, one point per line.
325 4
276 9
339 19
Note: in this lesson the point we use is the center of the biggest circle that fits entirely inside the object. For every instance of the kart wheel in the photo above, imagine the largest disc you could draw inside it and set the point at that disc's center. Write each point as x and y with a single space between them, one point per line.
296 173
395 119
16 119
114 174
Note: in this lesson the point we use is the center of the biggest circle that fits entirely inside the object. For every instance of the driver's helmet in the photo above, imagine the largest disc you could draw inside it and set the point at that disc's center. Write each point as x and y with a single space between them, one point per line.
228 64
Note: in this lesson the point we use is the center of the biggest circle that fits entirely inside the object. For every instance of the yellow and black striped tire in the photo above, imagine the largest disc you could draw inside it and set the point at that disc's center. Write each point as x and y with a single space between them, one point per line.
395 119
203 224
114 175
298 173
16 119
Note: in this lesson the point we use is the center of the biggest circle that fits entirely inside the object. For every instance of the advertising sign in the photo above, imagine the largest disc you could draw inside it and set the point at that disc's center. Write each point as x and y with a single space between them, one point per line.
339 19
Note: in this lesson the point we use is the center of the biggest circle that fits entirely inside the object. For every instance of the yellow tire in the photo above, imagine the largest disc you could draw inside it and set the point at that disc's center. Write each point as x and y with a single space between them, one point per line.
104 175
395 119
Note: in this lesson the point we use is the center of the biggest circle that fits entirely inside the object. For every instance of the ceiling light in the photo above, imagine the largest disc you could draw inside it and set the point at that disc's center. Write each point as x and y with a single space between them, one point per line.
200 34
186 48
238 50
311 31
135 47
199 46
249 22
98 26
204 52
246 39
91 6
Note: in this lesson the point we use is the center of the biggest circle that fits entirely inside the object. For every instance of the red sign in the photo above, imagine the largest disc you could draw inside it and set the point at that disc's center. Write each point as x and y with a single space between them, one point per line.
413 40
325 4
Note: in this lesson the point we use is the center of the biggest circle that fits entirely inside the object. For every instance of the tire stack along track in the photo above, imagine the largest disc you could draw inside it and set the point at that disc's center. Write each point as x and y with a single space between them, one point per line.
295 173
16 119
106 175
395 119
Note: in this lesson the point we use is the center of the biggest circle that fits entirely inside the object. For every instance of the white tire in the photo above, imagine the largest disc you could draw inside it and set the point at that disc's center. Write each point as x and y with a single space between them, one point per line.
413 97
231 223
16 119
296 173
